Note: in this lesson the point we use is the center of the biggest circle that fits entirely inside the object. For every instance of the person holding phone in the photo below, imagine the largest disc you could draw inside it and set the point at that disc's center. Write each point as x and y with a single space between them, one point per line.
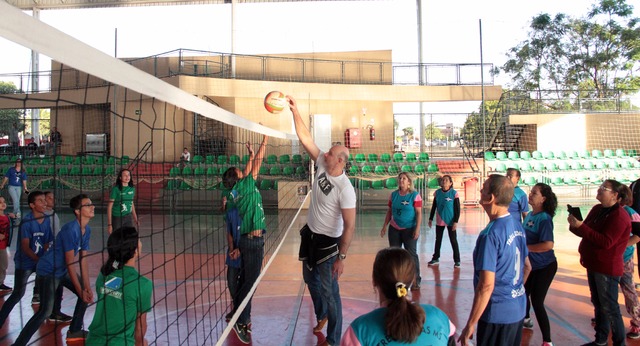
605 233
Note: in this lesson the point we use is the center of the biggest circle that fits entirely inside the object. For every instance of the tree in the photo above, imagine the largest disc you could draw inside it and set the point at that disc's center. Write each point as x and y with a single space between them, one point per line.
432 132
408 131
599 52
9 116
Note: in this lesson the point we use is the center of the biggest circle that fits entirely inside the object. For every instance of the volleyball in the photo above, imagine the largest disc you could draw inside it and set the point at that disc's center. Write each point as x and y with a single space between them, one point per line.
275 102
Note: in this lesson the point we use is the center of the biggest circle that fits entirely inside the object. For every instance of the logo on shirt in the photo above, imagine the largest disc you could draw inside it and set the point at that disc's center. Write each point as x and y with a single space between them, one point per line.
405 202
530 223
324 184
448 199
112 288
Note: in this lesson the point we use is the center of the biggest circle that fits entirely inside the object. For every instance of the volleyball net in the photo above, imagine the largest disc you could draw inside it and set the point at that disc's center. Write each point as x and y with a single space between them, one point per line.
112 115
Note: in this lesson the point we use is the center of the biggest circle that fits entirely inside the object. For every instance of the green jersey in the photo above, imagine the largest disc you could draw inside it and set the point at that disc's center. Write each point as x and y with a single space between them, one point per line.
249 203
121 297
122 200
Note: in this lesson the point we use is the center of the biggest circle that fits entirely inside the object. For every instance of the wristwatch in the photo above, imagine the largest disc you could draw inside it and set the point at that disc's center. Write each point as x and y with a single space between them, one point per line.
343 256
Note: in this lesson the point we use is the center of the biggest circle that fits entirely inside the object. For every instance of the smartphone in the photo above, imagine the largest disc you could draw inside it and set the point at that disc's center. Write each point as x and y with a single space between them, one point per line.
575 211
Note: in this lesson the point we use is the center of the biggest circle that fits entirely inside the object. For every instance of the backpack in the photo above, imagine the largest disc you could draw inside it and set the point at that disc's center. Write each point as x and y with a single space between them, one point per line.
635 192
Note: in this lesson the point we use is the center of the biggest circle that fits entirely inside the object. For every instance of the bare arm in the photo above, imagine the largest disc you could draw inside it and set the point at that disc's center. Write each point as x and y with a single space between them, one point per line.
483 292
141 329
302 131
542 246
527 269
633 240
134 214
387 219
83 289
257 161
109 210
249 166
4 182
349 218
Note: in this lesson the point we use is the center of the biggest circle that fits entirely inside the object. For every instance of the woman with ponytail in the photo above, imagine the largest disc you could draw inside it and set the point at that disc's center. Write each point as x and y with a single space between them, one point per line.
398 321
124 296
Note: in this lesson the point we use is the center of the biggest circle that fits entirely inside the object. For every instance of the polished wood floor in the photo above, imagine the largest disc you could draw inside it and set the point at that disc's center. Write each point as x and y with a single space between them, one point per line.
282 311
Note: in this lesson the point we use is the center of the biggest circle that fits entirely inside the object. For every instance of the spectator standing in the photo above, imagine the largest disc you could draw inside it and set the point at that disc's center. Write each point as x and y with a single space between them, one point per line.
446 207
519 206
6 227
16 177
121 210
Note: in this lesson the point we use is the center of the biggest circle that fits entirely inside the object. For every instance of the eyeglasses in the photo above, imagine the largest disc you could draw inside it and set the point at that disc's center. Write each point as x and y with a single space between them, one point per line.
86 205
602 187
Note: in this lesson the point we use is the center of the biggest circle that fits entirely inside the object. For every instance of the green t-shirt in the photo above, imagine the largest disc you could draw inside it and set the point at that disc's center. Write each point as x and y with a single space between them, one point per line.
249 203
121 297
122 200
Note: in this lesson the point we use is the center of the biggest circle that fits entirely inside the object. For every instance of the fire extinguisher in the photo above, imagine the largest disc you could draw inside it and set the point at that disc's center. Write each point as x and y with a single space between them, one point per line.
372 133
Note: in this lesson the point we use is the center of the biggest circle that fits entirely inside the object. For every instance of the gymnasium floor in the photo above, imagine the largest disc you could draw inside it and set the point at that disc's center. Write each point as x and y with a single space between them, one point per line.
282 311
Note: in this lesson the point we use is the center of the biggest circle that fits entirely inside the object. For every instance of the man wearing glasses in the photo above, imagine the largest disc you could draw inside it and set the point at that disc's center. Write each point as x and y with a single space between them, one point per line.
59 265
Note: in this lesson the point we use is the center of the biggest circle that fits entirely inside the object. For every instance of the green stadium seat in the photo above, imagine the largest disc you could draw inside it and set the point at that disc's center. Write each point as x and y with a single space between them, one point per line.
601 165
501 156
549 155
284 159
353 181
570 180
364 184
197 159
209 159
185 186
174 172
597 154
626 164
434 183
560 155
111 170
366 170
110 161
529 181
234 160
380 170
621 153
513 155
199 171
393 170
275 170
433 168
353 170
536 155
632 152
397 157
588 165
288 170
501 168
595 179
575 165
263 170
411 157
99 160
266 184
539 167
424 157
557 181
584 154
377 184
525 155
296 159
245 159
125 160
98 171
573 155
564 166
213 171
222 160
608 153
418 183
489 156
406 168
513 165
391 183
386 157
613 165
47 184
372 158
419 169
172 185
187 171
525 167
300 171
360 158
75 170
51 171
552 166
30 170
86 170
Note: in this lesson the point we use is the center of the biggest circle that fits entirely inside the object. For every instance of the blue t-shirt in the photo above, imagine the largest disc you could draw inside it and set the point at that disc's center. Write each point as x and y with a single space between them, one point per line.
502 248
519 203
539 228
444 204
403 209
369 329
69 238
14 177
635 217
39 234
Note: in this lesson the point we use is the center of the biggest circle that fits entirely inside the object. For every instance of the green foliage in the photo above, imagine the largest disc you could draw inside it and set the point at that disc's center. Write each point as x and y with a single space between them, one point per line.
432 132
9 116
408 131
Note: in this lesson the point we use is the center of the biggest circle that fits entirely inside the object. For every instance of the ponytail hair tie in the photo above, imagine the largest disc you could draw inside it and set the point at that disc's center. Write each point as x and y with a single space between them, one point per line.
115 264
401 289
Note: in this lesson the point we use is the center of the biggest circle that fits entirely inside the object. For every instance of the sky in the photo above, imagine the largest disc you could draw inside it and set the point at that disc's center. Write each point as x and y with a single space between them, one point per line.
450 30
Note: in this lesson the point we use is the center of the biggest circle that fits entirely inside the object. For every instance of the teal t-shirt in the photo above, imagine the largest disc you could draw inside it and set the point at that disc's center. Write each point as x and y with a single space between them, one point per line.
249 203
122 295
122 200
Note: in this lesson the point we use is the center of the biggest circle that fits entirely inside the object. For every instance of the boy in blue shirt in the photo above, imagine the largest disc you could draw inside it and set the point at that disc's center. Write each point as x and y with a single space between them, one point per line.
58 267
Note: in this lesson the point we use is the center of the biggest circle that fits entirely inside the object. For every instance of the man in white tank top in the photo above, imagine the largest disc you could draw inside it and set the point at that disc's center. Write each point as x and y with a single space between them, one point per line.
330 227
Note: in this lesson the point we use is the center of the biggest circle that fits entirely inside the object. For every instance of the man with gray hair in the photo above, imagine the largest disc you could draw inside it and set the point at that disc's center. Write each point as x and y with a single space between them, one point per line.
501 267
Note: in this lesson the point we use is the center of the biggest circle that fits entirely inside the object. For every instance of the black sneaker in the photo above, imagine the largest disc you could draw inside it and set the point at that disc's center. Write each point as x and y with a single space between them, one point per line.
433 262
242 333
5 288
456 265
59 318
77 335
36 299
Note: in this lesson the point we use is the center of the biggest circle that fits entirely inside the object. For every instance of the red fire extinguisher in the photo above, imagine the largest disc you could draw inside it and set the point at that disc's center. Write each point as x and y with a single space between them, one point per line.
372 133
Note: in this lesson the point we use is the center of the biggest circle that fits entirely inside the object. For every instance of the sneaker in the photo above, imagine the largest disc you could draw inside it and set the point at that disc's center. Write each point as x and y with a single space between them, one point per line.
5 288
544 343
36 299
593 343
528 323
456 265
242 333
433 262
320 325
634 333
77 335
60 318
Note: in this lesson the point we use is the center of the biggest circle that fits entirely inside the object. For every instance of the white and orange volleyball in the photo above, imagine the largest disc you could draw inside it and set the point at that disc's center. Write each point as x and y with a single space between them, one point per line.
275 102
